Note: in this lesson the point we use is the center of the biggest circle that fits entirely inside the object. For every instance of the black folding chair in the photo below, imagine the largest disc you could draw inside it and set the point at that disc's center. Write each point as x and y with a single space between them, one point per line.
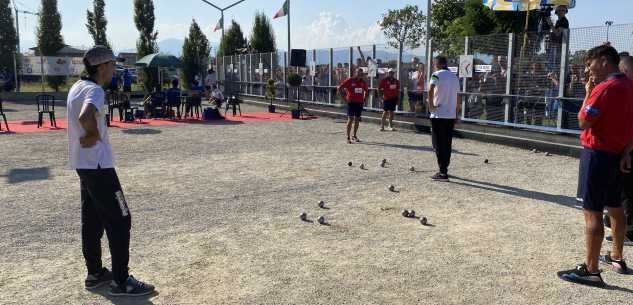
45 104
157 101
4 117
173 101
233 103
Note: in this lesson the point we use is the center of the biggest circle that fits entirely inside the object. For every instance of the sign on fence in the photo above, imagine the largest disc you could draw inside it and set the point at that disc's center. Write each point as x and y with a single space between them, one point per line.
36 65
466 63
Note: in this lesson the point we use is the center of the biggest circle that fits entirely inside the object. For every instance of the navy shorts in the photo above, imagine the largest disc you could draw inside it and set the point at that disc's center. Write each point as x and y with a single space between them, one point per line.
390 105
599 180
354 109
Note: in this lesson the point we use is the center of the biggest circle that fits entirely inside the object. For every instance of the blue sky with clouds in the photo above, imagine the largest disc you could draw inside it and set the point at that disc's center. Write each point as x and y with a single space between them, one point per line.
315 24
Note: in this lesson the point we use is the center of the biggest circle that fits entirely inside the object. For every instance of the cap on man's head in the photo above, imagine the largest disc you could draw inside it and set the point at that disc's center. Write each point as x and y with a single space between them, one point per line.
99 55
391 70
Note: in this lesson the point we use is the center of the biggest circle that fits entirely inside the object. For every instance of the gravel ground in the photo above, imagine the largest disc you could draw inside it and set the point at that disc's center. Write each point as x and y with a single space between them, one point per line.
215 219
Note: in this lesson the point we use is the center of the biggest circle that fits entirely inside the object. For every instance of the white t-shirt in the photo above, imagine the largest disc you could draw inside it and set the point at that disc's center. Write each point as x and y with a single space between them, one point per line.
87 92
217 94
445 98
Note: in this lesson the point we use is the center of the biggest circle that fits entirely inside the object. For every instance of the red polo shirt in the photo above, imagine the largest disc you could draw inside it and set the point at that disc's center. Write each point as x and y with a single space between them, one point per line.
390 88
356 90
610 110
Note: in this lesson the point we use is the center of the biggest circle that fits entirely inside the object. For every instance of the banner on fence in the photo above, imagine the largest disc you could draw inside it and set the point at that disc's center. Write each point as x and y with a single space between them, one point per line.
36 65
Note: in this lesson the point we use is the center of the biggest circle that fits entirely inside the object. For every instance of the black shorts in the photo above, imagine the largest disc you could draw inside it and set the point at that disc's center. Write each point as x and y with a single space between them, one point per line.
390 105
599 180
354 109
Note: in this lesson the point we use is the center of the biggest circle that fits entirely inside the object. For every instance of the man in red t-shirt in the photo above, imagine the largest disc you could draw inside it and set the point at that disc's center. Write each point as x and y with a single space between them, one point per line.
607 140
354 92
390 89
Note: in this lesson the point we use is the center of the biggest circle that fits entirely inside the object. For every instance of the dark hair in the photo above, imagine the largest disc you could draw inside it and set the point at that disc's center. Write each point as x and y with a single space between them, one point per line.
441 61
624 54
606 51
90 69
195 82
174 82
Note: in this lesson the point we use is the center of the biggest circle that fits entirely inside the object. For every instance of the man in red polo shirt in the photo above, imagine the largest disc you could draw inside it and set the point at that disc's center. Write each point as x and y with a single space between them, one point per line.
607 137
390 89
354 92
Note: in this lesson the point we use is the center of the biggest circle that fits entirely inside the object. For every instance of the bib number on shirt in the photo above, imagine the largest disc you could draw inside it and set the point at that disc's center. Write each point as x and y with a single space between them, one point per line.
358 90
392 87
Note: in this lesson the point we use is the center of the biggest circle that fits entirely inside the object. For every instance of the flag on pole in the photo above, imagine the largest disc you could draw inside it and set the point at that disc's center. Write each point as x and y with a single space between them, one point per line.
219 25
283 11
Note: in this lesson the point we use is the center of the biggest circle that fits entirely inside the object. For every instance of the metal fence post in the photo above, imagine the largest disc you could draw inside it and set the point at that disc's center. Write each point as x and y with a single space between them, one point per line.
249 87
465 87
351 62
286 93
330 77
260 67
508 100
564 62
314 59
372 79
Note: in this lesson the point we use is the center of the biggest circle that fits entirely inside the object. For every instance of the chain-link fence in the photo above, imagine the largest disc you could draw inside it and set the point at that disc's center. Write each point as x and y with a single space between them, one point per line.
529 80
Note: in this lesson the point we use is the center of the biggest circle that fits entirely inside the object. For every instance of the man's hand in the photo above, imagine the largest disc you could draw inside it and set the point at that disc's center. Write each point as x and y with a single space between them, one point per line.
590 85
625 163
89 140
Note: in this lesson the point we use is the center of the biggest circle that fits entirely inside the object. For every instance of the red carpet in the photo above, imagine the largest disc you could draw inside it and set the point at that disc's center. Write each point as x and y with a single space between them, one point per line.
62 124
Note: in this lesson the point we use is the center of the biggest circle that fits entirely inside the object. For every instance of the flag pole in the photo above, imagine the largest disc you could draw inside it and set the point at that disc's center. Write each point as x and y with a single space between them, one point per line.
288 53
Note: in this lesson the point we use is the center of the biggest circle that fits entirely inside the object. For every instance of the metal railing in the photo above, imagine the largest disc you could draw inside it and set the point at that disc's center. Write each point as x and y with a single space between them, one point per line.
527 80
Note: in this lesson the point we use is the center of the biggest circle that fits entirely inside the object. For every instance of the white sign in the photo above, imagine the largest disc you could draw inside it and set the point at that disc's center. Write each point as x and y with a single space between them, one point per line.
313 68
32 65
261 68
453 69
373 68
483 68
466 65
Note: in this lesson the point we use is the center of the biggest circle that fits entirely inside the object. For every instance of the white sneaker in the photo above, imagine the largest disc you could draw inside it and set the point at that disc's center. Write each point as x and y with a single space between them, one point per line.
392 129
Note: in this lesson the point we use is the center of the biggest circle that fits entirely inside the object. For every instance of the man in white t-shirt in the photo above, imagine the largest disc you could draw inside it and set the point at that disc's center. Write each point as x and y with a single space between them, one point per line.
103 205
444 105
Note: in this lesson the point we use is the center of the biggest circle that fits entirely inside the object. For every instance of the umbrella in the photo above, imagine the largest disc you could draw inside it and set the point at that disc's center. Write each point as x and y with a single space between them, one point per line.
525 5
159 60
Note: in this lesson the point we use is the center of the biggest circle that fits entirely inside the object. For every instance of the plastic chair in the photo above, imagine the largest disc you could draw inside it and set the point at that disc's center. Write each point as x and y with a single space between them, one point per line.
45 104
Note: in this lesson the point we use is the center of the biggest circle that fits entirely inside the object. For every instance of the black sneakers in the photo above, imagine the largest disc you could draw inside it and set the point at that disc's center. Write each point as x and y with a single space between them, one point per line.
97 280
440 177
132 287
580 275
618 266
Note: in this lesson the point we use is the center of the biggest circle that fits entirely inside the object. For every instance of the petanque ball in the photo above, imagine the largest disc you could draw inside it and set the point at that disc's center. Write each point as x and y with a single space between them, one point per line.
362 166
412 169
349 163
412 214
423 221
405 213
486 161
321 220
303 216
321 204
392 188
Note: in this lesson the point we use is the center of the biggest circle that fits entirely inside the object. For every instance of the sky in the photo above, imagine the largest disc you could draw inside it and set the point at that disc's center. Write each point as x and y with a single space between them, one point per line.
314 24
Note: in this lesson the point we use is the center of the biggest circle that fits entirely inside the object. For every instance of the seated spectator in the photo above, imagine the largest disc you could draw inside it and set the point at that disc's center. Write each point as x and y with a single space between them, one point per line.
173 96
217 97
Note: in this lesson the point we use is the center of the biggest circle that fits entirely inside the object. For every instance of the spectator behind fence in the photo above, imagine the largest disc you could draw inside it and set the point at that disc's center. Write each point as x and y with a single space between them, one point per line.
556 38
417 83
626 66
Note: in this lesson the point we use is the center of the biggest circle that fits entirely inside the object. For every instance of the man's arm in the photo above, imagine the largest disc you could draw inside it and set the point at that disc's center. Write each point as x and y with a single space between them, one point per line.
582 123
459 104
431 97
88 120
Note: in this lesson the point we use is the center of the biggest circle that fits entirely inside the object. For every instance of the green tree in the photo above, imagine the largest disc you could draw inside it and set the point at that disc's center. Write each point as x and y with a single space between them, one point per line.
195 53
49 37
263 37
233 40
97 23
404 27
146 44
8 37
442 14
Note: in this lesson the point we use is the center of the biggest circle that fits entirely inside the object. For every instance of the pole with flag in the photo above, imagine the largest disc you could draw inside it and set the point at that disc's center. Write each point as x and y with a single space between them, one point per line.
285 11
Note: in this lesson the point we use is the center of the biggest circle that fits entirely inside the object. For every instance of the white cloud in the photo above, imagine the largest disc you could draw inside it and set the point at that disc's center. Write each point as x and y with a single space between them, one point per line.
332 30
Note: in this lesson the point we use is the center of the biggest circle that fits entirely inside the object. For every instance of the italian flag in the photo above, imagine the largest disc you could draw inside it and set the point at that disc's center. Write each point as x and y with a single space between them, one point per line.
218 26
283 11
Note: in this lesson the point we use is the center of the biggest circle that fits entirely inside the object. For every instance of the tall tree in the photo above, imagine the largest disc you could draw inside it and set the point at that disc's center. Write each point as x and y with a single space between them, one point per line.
195 53
233 40
404 27
444 12
263 37
49 37
8 38
97 23
146 44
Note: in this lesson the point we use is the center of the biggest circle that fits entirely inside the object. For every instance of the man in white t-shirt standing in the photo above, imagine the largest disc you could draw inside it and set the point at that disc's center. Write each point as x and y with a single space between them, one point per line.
103 205
444 106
